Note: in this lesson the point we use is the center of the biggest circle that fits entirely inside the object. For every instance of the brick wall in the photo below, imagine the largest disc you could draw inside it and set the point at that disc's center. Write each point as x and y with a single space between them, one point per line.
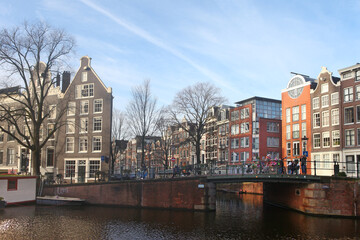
170 193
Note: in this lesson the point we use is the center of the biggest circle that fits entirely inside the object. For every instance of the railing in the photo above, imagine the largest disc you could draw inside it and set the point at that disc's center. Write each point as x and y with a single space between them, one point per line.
274 167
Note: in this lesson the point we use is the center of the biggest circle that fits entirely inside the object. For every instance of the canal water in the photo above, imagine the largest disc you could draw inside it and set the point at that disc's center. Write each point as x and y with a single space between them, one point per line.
236 217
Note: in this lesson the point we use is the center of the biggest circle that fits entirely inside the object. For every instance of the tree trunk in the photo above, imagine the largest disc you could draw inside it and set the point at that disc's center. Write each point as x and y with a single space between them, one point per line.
35 162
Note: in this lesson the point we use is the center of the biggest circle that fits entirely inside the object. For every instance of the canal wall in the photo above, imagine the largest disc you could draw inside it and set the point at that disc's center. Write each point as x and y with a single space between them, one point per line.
245 187
184 193
335 197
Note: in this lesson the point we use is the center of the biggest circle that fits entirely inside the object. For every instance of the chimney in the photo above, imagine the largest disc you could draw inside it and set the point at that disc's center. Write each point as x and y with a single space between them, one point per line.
58 80
65 81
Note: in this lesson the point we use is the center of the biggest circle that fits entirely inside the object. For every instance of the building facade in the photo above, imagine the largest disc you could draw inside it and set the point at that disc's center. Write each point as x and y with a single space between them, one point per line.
255 130
296 119
80 147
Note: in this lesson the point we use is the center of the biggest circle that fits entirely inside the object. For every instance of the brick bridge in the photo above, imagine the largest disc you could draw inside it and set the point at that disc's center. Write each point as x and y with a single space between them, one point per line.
307 194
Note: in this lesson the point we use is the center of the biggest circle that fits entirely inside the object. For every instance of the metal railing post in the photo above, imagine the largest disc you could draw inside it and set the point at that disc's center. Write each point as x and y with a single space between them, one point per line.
315 168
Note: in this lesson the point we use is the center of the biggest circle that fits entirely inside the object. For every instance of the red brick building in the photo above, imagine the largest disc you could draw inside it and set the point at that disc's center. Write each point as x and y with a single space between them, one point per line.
296 118
255 130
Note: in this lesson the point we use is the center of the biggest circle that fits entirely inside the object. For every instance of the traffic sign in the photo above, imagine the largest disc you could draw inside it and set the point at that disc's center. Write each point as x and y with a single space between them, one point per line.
173 159
305 153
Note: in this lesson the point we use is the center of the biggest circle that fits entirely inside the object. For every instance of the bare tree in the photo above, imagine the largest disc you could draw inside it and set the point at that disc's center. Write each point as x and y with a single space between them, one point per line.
164 126
30 53
142 114
192 104
119 125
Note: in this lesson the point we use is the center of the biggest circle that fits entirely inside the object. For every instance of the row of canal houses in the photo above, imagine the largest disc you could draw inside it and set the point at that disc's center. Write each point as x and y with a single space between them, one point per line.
318 118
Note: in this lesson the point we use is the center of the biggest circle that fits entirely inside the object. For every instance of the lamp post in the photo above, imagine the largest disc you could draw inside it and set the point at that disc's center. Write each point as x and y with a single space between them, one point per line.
305 155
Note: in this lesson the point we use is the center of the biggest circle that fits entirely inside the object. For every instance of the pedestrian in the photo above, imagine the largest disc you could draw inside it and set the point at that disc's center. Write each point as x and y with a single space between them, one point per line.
289 167
296 166
303 165
281 166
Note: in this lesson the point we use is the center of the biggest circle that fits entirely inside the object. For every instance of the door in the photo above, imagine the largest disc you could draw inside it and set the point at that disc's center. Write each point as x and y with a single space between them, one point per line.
81 171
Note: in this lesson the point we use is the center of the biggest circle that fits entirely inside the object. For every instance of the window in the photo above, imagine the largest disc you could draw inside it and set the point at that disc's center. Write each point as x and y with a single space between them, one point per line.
326 160
26 132
350 163
70 126
317 160
97 124
52 111
326 139
50 157
296 148
234 115
357 76
84 91
336 138
83 144
349 115
288 115
12 131
255 143
357 92
1 136
316 120
235 129
336 157
348 94
273 127
50 129
288 149
69 144
347 75
235 157
244 127
303 129
96 146
288 132
316 103
84 77
295 113
304 145
98 106
244 142
349 137
334 98
325 101
234 143
317 140
244 113
335 117
324 88
296 131
12 184
69 169
303 112
325 119
273 141
71 108
10 156
84 107
94 167
357 113
1 157
84 122
244 156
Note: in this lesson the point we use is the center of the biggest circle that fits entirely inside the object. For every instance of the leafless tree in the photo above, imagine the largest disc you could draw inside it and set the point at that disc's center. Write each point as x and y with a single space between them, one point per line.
143 113
164 126
30 53
193 104
119 125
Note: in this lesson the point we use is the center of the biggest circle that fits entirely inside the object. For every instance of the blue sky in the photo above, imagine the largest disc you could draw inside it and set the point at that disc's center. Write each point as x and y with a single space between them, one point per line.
246 48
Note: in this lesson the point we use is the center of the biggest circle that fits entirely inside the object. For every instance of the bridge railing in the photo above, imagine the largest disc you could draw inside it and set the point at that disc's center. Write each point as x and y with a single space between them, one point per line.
317 168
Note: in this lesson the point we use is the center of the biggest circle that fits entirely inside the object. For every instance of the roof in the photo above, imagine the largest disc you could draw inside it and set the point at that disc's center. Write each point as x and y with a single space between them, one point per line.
10 90
258 98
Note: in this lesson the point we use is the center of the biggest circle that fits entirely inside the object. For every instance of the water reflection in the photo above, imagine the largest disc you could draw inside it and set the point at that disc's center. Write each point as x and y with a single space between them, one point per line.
236 217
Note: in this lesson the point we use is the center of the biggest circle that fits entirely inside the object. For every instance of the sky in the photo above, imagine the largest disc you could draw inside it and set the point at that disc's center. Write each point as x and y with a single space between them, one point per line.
245 48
